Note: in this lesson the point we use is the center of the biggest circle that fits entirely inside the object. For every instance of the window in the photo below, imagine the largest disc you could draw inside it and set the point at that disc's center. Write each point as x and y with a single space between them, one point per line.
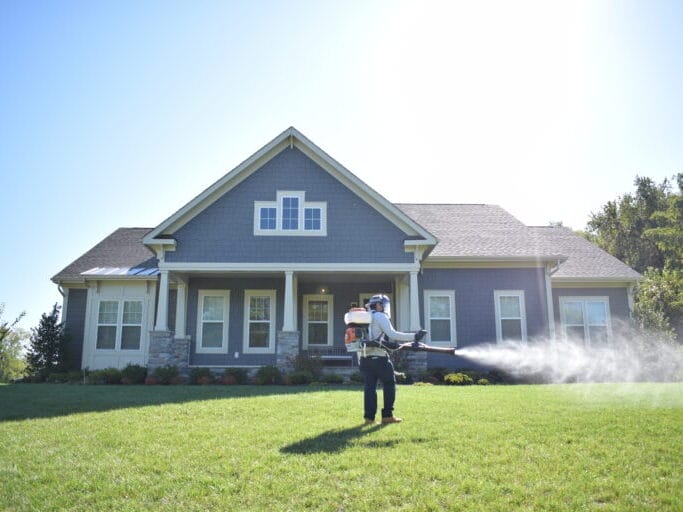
318 325
259 321
585 319
440 316
291 215
212 321
119 325
312 219
268 218
510 315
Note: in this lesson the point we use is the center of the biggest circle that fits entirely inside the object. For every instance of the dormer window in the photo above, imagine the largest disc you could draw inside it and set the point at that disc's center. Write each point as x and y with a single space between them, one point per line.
290 214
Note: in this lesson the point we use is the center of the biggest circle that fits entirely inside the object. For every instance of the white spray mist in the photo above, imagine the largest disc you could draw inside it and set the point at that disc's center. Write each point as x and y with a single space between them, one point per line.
623 359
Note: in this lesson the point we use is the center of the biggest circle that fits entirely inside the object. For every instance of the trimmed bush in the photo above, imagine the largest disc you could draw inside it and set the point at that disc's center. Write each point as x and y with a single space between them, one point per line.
104 376
458 379
483 382
166 374
332 378
357 377
133 374
268 375
202 376
234 376
300 377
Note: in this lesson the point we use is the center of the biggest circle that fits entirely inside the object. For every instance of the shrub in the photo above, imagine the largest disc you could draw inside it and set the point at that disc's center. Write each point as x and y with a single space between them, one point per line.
104 376
332 378
458 379
166 374
357 377
201 376
239 375
268 375
310 363
300 377
483 382
133 374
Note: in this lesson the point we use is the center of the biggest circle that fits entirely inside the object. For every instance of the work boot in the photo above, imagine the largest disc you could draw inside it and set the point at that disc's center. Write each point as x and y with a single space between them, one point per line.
391 419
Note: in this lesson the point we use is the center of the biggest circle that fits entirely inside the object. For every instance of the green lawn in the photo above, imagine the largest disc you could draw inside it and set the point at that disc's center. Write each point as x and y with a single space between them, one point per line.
478 448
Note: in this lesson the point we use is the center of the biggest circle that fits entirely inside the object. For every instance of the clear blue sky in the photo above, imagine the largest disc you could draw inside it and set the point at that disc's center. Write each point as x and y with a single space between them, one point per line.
116 114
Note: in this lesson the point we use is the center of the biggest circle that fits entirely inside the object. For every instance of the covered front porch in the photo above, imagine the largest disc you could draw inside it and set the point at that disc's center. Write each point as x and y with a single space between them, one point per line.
303 314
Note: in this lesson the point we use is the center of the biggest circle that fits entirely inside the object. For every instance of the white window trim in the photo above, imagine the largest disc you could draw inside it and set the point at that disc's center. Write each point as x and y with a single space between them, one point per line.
427 295
330 318
119 325
497 294
584 299
225 294
303 205
270 349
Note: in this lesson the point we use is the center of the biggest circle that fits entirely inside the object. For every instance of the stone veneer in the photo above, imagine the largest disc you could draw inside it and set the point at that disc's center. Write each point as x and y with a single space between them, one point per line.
287 349
167 350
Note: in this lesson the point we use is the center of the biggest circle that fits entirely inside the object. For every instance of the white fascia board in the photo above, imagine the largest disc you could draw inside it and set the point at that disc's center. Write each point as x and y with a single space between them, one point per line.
531 261
594 282
293 267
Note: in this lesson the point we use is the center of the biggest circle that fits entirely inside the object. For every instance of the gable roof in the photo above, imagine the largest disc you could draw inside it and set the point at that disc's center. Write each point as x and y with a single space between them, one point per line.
587 260
291 137
122 253
469 232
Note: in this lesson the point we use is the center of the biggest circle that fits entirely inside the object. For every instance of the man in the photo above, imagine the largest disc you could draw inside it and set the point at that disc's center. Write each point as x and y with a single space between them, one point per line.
375 363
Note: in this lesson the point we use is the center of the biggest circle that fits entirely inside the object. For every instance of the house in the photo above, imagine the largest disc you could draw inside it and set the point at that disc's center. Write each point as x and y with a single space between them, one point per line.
264 263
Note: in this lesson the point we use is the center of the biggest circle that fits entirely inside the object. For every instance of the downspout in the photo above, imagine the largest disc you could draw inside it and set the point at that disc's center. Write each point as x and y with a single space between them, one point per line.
549 271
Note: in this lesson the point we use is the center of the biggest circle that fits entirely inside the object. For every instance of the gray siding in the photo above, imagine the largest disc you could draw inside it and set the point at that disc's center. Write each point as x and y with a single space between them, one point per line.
75 327
224 231
475 305
236 319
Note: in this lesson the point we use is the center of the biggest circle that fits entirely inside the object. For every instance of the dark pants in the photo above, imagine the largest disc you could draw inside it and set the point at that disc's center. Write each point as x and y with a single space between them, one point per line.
374 369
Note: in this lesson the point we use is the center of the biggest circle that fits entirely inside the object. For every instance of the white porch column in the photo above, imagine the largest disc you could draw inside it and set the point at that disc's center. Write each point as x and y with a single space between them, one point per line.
289 322
414 302
162 306
181 310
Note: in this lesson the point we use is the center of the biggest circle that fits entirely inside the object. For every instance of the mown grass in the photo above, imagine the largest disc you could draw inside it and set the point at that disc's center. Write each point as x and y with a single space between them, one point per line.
502 448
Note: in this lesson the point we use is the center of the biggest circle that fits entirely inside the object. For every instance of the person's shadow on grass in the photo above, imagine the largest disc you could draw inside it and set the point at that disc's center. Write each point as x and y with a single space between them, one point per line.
333 441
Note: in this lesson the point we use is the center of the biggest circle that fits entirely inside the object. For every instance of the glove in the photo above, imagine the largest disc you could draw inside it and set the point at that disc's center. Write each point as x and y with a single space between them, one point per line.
420 334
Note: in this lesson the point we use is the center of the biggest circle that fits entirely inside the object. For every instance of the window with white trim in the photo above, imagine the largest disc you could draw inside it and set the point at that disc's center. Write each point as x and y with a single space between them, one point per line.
585 319
290 214
440 317
318 323
259 321
510 315
119 325
212 321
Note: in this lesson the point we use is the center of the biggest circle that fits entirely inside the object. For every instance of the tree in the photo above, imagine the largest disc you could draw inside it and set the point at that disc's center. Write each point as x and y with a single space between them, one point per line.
12 365
645 231
48 341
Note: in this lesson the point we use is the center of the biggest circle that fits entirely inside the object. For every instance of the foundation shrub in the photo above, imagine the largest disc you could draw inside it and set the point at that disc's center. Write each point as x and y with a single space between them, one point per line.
104 376
133 374
458 379
357 378
268 375
202 376
234 376
332 378
300 377
166 375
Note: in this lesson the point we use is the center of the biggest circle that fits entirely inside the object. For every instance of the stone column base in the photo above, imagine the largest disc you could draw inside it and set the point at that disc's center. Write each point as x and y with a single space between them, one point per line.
167 350
287 343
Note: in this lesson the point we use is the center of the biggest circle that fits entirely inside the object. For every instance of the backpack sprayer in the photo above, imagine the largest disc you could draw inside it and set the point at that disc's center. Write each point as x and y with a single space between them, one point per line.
357 335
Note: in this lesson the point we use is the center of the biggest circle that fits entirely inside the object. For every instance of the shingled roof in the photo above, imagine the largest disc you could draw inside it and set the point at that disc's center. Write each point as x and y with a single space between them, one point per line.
467 232
478 231
120 253
586 260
